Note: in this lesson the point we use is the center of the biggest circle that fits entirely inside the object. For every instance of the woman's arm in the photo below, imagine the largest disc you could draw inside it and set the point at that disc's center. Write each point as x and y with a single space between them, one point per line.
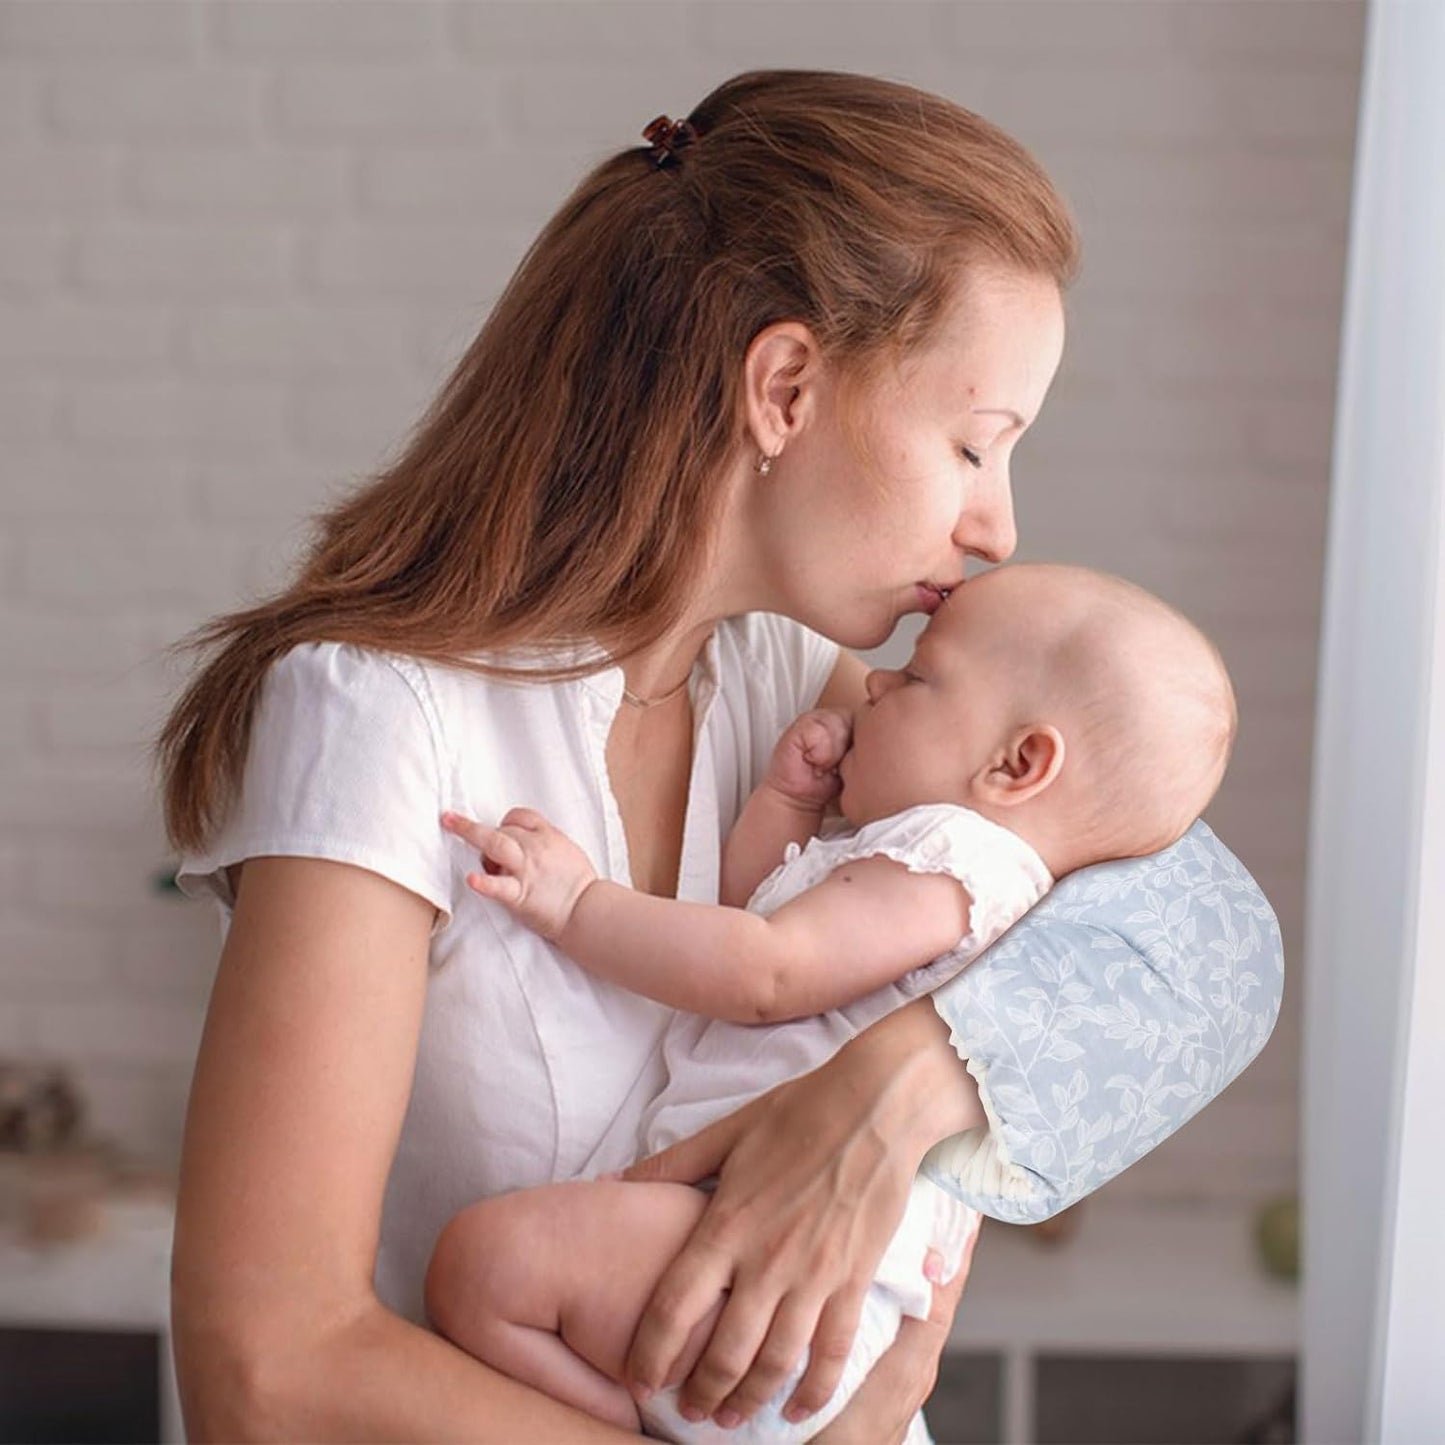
812 1181
300 1088
1127 943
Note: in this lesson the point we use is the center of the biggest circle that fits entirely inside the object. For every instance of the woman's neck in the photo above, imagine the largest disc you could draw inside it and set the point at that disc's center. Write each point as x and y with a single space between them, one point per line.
733 586
658 670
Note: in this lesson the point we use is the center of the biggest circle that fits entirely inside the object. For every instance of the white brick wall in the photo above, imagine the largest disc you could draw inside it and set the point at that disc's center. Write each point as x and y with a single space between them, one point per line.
239 244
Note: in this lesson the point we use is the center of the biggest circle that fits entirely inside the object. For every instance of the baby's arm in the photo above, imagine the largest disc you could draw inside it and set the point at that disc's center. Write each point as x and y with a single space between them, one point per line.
788 805
867 924
547 1284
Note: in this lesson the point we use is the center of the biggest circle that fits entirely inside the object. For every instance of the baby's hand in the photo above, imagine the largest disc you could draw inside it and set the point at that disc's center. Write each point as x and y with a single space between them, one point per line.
805 761
532 868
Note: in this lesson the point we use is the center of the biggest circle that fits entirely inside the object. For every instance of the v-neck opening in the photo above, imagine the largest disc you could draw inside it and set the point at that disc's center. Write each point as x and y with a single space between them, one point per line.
699 854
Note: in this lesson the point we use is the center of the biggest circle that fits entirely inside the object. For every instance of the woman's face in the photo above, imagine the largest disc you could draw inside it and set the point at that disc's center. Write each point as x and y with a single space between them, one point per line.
856 541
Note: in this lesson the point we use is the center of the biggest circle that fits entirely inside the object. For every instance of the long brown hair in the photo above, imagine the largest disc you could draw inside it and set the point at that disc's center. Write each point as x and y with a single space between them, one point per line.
563 484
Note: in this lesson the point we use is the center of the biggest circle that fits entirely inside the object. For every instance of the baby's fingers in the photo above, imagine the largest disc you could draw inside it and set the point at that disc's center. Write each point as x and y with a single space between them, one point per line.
697 1278
501 887
826 736
473 832
499 853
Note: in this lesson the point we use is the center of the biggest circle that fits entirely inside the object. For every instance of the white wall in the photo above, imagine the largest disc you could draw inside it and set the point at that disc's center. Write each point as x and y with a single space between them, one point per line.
239 244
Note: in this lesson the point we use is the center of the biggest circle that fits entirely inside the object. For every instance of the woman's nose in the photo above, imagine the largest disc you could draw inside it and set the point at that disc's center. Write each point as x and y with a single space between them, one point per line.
880 681
986 527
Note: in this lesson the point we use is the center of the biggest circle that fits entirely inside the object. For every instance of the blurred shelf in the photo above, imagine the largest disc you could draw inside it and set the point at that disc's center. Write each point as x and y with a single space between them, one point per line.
1136 1281
116 1279
1142 1279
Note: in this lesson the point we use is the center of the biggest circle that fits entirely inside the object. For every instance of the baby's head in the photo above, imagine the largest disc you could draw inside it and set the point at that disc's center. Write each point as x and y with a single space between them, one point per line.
1072 707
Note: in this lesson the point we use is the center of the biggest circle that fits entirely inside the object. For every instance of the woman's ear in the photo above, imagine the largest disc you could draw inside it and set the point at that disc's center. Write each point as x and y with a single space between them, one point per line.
1027 763
780 375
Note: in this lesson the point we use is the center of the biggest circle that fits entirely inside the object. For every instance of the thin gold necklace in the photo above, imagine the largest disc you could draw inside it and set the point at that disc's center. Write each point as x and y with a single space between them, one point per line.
631 698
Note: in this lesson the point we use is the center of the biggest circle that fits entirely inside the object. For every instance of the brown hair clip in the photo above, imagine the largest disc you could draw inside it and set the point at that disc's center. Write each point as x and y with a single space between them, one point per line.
668 137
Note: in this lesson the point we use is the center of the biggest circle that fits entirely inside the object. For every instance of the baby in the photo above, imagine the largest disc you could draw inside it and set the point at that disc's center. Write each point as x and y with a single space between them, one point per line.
1050 717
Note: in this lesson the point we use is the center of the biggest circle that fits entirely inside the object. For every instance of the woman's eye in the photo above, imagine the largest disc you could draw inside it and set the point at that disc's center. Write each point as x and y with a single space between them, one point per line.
971 457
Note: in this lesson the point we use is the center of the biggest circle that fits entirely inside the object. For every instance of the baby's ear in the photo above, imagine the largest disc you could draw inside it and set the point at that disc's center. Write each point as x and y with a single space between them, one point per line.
1026 764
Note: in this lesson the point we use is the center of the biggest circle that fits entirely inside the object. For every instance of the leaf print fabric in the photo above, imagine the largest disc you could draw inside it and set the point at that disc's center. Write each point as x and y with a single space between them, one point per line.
1105 1018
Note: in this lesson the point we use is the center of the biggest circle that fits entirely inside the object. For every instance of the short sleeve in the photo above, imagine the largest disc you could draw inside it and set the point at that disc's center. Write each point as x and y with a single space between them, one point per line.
1105 1019
343 763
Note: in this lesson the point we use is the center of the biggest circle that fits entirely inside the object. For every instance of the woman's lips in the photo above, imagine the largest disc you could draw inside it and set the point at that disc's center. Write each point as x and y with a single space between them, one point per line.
930 597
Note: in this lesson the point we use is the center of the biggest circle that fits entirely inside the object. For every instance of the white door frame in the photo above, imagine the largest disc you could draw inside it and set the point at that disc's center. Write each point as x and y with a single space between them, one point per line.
1373 1327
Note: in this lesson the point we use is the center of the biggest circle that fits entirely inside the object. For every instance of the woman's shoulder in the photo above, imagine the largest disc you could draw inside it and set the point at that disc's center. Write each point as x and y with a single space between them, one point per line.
344 762
387 688
335 672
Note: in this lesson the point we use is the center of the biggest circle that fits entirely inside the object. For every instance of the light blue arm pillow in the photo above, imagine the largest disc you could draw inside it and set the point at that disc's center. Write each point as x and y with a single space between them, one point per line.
1104 1019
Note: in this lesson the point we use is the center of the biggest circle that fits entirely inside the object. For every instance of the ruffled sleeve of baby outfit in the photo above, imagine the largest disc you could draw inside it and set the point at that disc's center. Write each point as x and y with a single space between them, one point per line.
1104 1019
343 763
1003 875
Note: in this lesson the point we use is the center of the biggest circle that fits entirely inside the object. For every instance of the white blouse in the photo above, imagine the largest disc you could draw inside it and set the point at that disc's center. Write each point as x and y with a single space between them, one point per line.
528 1070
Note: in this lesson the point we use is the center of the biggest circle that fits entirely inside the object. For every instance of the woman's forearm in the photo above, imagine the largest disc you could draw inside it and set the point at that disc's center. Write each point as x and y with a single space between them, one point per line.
813 1178
377 1377
921 1091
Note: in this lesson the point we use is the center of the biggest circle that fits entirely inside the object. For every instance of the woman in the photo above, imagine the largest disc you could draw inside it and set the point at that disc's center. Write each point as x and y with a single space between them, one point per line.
752 394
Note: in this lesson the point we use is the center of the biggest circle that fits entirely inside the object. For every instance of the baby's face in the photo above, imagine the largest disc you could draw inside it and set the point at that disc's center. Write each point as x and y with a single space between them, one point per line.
1052 687
928 728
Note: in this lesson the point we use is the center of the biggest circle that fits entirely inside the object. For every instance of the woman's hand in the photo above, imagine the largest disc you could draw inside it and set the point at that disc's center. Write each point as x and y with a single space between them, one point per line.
900 1383
813 1178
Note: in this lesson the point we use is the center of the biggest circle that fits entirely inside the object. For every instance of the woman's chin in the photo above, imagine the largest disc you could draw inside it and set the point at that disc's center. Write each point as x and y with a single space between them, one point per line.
868 633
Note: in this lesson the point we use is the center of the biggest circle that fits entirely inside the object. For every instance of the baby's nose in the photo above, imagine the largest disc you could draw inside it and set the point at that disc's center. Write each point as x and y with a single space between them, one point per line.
880 681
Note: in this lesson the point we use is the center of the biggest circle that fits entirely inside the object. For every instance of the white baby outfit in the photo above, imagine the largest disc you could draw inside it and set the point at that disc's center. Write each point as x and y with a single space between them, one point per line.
715 1067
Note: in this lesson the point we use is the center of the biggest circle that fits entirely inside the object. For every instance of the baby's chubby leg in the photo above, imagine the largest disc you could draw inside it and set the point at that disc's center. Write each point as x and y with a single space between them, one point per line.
548 1284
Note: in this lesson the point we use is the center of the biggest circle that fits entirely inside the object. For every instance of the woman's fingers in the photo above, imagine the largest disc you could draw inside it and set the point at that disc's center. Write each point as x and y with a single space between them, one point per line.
736 1338
832 1341
794 1325
700 1273
903 1378
690 1288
